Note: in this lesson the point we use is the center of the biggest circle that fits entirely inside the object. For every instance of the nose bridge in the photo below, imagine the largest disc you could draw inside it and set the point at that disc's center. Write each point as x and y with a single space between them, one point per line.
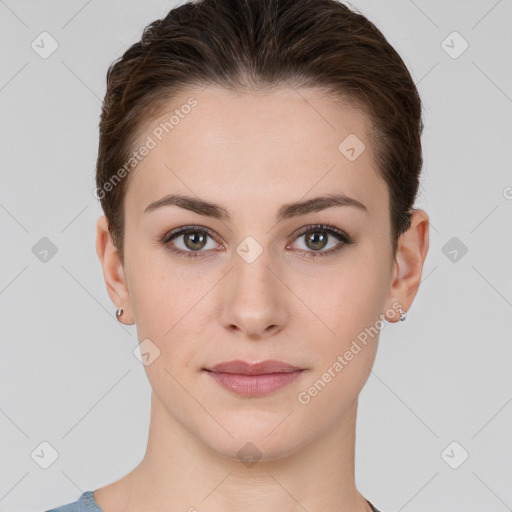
252 274
254 301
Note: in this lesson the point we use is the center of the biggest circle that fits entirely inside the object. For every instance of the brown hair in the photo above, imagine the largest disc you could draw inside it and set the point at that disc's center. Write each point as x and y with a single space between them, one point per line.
241 44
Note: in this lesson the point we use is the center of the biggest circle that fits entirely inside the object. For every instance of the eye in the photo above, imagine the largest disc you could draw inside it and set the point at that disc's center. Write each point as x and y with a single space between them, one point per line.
191 240
320 236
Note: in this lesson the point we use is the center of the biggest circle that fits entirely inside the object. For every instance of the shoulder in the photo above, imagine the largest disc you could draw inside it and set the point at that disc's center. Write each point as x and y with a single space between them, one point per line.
85 503
374 508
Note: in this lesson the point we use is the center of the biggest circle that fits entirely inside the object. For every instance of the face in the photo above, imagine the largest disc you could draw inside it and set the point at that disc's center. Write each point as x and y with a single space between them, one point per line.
255 276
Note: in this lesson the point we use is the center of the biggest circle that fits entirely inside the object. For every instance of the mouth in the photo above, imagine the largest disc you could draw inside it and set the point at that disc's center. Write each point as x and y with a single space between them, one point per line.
254 379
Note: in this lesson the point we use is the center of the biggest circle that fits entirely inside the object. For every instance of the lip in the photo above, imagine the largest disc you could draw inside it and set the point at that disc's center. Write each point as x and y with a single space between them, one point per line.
262 368
254 379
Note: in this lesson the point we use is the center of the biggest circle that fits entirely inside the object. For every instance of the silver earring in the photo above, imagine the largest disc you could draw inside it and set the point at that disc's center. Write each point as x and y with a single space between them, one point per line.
403 315
119 312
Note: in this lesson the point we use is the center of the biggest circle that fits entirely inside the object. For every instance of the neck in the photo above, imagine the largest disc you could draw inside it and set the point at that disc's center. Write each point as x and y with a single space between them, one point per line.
179 472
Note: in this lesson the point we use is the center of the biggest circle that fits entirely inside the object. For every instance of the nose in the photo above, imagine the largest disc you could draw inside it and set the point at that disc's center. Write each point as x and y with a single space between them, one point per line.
254 302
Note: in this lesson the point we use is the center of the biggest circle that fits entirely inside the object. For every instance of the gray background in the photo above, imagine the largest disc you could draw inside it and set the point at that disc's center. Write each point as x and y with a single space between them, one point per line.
69 375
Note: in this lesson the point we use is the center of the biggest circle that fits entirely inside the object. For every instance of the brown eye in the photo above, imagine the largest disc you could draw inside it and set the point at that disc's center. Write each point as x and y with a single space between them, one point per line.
194 240
189 241
316 240
318 237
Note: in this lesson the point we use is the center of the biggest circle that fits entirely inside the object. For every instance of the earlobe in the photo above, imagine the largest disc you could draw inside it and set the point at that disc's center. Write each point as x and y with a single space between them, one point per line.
410 257
113 270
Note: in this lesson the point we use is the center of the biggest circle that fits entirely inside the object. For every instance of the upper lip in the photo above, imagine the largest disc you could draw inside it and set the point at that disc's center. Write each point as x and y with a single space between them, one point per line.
244 368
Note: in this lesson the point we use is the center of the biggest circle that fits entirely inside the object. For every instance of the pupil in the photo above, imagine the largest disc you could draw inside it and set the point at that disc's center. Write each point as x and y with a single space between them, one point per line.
193 237
314 238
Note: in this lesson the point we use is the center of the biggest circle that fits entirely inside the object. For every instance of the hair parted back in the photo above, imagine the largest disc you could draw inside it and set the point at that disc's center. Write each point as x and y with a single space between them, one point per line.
260 44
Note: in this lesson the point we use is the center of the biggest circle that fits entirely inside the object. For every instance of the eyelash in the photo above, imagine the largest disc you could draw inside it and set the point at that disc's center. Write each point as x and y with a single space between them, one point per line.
343 237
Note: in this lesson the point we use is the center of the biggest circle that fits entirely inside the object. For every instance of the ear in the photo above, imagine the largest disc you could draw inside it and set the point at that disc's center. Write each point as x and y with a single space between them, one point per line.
113 270
411 253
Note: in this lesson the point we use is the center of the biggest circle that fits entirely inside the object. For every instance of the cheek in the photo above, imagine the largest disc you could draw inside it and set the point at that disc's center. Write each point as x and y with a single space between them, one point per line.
158 292
170 313
345 298
346 355
333 390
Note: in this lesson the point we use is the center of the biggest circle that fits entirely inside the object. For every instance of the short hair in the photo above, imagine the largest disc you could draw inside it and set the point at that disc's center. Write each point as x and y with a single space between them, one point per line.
262 44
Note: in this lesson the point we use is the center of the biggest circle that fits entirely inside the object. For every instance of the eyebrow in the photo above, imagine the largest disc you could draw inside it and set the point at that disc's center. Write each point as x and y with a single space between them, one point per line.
287 211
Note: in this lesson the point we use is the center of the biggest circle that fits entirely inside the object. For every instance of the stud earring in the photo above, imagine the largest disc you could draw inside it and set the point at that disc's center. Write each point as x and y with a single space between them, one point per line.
119 312
403 315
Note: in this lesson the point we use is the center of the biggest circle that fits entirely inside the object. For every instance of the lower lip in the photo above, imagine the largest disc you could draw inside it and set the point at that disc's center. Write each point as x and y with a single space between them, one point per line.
254 385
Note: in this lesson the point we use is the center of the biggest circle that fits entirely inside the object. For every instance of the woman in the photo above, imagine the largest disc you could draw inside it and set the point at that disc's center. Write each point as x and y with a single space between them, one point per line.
258 165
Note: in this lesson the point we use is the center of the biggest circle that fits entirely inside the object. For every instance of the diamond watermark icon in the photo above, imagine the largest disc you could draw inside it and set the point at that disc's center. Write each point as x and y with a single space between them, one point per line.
454 455
249 250
44 45
44 250
454 45
351 147
454 249
44 455
249 454
146 352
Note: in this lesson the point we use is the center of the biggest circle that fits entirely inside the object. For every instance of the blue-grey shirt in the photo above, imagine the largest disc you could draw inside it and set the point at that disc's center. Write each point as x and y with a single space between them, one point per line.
87 503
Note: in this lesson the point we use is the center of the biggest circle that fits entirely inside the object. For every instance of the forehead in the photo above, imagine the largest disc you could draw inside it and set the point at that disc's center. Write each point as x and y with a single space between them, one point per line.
255 148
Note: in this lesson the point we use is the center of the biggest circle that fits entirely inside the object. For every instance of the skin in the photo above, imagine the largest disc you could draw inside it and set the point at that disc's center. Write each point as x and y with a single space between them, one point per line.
251 153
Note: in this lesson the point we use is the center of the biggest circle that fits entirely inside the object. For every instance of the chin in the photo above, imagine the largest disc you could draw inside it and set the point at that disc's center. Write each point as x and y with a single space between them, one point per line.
259 436
252 450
